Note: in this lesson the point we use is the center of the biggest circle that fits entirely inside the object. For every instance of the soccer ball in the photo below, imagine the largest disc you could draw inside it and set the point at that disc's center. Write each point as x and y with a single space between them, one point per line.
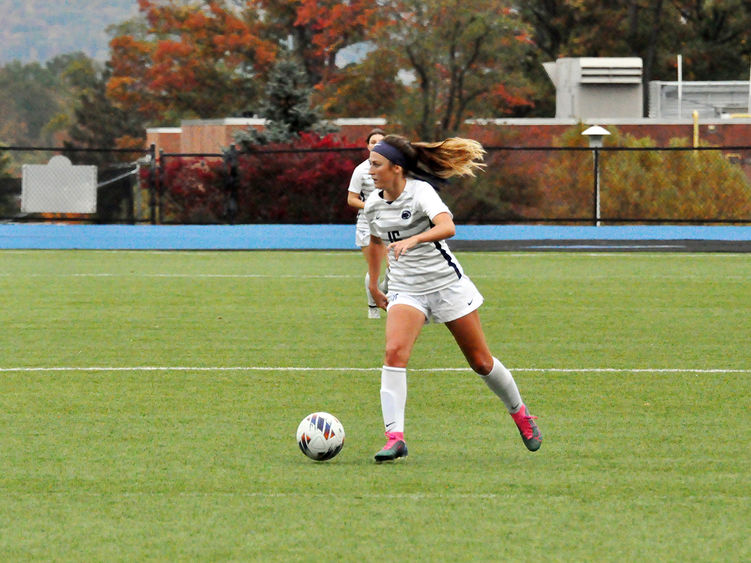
320 436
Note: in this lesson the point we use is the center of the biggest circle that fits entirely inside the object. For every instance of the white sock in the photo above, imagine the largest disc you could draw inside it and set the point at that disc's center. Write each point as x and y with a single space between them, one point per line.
393 397
371 301
502 383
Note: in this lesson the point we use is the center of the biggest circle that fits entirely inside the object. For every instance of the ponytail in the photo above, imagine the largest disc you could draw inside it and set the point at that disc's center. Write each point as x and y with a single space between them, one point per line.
453 157
438 161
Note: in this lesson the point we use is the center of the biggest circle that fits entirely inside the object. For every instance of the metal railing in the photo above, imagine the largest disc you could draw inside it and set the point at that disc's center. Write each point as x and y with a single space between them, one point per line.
559 185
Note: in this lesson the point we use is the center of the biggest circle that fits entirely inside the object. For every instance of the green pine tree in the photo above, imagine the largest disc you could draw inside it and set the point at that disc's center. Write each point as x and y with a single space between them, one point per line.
287 108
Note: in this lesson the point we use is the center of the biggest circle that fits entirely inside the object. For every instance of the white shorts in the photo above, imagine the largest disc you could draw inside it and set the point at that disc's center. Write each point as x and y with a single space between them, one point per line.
362 233
445 305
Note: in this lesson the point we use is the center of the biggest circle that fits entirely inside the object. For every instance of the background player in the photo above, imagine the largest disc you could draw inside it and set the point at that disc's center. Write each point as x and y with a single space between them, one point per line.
360 187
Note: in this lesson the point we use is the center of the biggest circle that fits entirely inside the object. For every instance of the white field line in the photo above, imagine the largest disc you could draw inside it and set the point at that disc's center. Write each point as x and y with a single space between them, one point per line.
191 276
346 253
479 276
354 369
349 497
342 496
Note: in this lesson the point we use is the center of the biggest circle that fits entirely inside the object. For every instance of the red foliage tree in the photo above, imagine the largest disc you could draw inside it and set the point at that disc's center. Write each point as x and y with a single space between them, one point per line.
302 182
308 185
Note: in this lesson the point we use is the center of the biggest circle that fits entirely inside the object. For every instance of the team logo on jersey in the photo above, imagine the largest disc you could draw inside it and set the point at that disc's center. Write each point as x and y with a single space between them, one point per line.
406 214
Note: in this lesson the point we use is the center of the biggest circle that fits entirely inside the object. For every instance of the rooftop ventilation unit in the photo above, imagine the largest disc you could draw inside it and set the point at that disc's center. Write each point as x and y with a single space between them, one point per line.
597 87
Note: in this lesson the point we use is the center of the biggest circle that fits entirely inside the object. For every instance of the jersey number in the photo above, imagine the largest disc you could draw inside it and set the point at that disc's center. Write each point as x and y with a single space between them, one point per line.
394 236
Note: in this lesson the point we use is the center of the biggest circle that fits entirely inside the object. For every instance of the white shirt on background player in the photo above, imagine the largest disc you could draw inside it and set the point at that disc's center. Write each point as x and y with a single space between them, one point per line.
361 183
427 267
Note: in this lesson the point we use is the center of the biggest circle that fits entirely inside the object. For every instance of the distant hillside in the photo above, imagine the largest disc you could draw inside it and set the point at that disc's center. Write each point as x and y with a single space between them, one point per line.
38 30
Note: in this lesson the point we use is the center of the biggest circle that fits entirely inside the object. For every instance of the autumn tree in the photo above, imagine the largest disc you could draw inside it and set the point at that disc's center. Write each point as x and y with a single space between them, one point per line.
459 59
368 87
189 59
315 31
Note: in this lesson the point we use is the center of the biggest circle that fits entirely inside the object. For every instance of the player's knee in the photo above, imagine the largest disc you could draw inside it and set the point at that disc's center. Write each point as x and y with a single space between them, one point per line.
396 356
481 363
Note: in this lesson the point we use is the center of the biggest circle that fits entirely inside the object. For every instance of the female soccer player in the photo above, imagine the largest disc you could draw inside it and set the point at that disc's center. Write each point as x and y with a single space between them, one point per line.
426 282
360 187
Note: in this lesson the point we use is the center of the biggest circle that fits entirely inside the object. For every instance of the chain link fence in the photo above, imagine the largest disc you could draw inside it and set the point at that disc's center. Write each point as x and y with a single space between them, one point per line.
76 185
704 185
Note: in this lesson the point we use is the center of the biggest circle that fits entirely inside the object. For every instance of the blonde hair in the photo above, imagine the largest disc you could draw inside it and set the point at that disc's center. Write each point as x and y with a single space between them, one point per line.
455 156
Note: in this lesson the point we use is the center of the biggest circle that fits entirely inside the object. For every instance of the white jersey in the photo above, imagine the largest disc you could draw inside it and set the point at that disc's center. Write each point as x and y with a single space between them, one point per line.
361 184
427 267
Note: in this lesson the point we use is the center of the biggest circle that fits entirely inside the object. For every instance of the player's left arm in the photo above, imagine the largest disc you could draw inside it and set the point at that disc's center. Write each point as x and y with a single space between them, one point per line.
443 228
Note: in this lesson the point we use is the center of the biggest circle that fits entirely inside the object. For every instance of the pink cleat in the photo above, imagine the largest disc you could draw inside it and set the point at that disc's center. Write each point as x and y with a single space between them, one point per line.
394 449
528 429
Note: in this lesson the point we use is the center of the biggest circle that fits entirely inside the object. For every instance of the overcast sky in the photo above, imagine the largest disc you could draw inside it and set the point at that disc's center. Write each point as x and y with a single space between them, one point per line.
38 30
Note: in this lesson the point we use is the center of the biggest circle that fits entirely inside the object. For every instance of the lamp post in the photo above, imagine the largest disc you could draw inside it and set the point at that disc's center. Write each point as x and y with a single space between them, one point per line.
595 135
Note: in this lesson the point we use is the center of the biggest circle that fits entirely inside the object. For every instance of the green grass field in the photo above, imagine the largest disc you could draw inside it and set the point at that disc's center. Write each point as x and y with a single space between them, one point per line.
150 402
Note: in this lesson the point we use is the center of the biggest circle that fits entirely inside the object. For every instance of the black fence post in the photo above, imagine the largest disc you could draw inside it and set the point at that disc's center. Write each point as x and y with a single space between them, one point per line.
152 183
230 184
162 184
596 197
133 182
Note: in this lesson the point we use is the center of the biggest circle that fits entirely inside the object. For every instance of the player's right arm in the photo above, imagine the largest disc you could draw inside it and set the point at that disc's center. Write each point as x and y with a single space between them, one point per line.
354 191
374 270
354 200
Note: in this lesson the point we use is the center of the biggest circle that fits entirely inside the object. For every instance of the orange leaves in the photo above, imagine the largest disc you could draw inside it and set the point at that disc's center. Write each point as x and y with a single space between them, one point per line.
335 24
234 38
190 59
507 100
167 49
196 22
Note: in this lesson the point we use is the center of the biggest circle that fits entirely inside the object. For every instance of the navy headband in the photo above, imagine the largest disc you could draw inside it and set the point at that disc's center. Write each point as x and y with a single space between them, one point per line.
397 157
392 153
